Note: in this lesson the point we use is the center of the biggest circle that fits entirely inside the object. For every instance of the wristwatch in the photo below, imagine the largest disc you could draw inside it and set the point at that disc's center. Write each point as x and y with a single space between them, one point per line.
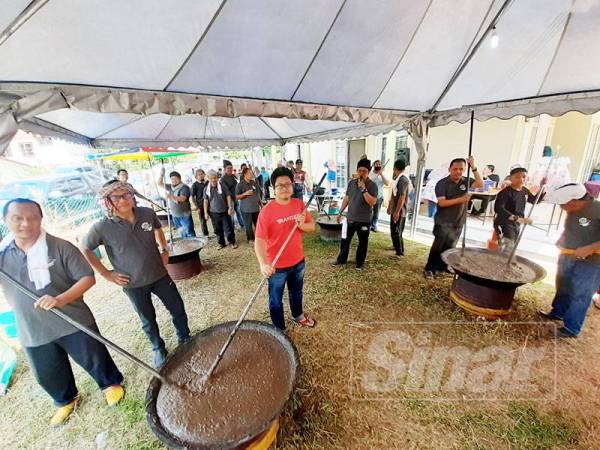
164 250
363 190
474 169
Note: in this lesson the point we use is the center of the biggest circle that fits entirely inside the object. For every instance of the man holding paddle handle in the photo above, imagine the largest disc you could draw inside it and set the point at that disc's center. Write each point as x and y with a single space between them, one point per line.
58 273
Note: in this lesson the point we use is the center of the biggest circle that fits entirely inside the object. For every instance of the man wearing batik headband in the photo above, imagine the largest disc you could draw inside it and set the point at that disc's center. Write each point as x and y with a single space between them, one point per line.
137 249
578 274
510 209
361 196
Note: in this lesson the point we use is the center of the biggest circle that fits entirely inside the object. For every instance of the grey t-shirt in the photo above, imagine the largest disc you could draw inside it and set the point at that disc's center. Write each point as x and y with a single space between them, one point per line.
358 209
249 204
180 209
131 248
217 203
451 215
402 188
583 228
67 266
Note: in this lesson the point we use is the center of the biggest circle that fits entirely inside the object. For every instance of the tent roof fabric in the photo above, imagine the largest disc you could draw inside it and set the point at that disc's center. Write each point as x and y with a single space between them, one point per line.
235 71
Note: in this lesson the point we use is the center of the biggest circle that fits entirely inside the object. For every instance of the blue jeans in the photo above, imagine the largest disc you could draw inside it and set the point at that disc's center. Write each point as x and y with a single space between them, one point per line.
294 277
52 369
375 217
185 225
576 282
431 208
238 214
166 291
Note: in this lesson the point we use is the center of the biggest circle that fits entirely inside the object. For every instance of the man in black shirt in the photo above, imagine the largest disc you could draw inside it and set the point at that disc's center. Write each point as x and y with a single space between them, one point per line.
397 207
198 198
510 209
452 197
230 181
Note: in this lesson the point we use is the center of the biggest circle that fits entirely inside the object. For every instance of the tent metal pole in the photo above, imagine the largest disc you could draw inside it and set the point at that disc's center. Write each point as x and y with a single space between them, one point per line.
466 213
420 175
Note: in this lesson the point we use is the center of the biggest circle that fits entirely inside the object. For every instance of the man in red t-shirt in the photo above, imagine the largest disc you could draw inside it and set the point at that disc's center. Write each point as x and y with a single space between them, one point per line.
275 222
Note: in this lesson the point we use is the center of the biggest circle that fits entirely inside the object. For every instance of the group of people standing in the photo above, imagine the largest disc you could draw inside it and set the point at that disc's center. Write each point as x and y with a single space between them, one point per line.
60 274
578 274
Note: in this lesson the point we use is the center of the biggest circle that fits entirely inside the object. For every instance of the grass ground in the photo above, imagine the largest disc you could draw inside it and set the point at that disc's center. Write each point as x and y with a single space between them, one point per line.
325 412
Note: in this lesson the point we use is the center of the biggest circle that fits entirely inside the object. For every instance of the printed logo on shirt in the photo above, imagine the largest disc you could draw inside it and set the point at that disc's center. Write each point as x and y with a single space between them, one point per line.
584 221
283 220
463 187
146 226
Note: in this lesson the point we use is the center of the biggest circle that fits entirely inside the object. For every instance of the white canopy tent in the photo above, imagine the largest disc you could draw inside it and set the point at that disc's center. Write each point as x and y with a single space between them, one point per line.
236 72
242 73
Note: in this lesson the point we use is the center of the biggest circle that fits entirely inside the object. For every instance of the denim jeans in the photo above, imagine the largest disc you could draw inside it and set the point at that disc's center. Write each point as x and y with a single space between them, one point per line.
431 208
166 291
52 369
294 278
375 217
238 214
185 225
576 282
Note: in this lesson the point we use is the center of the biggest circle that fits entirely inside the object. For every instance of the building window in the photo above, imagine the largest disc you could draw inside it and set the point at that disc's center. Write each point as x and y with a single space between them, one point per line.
341 163
26 149
383 146
45 140
402 149
401 141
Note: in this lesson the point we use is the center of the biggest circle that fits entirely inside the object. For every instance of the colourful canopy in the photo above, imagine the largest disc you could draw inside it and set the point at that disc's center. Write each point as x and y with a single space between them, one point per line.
140 154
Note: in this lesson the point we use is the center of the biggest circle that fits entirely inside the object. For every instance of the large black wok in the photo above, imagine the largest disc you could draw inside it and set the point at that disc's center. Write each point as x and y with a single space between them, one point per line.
180 353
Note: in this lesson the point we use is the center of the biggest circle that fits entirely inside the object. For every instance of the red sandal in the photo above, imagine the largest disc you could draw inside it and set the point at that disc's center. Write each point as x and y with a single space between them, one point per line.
306 322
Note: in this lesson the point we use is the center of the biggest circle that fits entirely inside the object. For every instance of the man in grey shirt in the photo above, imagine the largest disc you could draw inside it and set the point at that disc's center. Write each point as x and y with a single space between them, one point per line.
578 273
62 276
361 196
178 195
249 194
218 205
132 236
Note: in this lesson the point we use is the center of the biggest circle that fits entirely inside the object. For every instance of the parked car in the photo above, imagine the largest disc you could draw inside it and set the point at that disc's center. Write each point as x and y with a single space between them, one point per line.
69 198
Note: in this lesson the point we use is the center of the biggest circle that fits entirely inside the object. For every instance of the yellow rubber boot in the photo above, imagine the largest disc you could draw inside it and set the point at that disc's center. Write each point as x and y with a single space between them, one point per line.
114 394
63 413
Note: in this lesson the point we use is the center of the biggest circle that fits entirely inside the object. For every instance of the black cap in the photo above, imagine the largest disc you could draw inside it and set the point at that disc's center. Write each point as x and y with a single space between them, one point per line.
366 163
226 163
299 161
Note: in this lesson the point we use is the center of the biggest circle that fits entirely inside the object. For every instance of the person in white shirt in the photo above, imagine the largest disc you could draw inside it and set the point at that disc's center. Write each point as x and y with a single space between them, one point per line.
380 180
